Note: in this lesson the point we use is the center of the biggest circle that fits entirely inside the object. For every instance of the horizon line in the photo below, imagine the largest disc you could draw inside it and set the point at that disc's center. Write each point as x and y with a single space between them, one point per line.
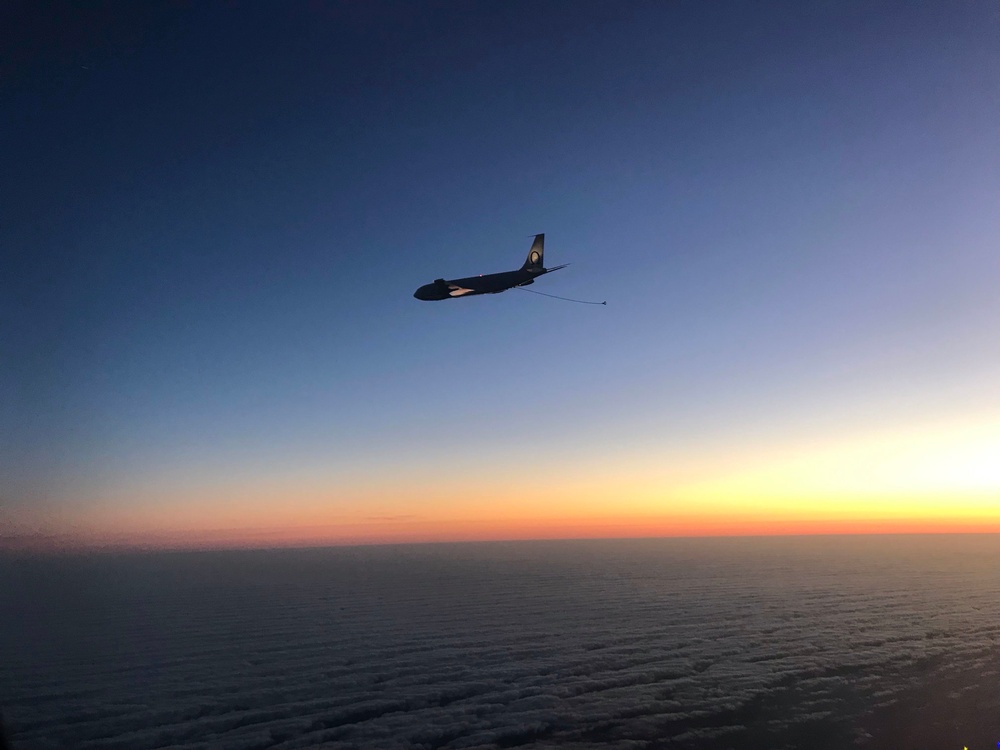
42 544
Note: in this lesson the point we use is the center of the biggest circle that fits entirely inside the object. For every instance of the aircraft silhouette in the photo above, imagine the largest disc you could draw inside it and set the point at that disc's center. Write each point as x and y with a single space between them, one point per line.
491 283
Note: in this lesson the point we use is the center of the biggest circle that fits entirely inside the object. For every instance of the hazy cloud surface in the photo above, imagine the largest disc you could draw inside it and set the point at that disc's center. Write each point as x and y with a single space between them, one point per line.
742 643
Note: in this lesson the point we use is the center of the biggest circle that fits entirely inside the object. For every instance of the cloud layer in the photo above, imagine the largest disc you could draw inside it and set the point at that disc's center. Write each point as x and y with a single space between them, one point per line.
748 643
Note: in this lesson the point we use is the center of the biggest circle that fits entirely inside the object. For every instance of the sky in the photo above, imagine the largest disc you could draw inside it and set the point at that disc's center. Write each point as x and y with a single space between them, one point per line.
215 215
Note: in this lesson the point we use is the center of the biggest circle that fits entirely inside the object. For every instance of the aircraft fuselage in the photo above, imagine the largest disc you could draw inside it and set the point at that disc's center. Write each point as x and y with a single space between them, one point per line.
490 283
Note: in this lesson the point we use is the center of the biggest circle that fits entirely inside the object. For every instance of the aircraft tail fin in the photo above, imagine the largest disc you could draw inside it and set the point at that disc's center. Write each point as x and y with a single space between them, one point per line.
536 256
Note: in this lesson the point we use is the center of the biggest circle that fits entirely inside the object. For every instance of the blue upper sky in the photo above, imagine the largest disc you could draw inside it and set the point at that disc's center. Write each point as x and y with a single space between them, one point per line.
214 217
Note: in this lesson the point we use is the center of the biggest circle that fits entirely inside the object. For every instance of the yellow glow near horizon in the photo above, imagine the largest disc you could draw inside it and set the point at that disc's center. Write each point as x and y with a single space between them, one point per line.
941 476
950 471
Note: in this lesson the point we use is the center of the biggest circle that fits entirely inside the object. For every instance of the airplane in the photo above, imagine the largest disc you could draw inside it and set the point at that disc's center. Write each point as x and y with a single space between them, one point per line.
491 283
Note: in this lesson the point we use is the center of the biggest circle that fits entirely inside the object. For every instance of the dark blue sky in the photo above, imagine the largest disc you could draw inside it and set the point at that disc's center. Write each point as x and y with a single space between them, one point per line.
214 217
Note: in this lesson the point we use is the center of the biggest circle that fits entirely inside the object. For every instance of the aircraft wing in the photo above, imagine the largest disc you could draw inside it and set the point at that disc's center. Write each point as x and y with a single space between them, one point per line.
453 289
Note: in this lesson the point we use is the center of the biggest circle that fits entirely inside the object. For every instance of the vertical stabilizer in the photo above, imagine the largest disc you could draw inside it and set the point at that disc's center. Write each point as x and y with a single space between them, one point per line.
536 256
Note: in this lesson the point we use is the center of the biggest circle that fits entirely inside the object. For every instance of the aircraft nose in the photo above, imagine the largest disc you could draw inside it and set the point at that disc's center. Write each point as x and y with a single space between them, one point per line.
423 292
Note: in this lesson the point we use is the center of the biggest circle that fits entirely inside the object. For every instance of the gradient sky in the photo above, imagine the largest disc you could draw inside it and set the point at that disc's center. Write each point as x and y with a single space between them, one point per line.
214 216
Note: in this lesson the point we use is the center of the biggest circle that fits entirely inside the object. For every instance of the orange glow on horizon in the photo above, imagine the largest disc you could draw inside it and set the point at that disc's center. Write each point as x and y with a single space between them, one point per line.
403 530
941 478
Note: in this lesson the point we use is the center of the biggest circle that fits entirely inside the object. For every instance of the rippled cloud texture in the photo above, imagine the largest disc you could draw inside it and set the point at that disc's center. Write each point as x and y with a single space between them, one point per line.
750 643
